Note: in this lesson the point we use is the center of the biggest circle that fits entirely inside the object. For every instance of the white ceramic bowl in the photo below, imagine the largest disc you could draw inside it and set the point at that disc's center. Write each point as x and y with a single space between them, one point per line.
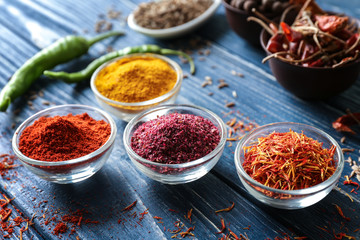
73 170
126 111
288 199
175 173
178 30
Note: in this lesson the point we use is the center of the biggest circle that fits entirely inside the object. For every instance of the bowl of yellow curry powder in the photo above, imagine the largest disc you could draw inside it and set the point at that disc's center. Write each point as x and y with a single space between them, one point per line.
128 85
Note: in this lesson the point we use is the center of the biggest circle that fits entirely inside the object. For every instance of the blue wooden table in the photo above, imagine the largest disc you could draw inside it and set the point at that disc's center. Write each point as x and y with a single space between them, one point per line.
28 26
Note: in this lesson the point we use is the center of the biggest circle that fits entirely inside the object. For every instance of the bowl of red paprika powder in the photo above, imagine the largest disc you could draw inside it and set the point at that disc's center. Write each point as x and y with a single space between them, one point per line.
175 144
65 144
288 165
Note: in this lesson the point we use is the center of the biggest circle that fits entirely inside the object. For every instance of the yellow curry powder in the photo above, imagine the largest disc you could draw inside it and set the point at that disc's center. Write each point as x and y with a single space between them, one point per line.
136 79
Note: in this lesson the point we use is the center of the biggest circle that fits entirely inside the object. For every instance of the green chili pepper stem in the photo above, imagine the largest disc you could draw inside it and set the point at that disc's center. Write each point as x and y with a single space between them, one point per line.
103 36
86 73
180 53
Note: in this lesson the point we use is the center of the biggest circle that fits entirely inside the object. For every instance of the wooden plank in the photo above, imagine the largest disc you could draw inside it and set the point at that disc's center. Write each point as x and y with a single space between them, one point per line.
258 94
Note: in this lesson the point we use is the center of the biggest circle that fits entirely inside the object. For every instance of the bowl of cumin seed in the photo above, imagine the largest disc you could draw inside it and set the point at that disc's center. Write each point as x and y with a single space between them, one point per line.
171 18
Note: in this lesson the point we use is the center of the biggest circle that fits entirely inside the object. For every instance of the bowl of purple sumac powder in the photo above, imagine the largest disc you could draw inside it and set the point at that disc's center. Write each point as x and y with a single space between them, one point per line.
171 18
175 144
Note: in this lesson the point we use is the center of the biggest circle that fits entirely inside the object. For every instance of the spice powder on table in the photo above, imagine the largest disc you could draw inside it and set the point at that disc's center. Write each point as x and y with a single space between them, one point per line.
175 138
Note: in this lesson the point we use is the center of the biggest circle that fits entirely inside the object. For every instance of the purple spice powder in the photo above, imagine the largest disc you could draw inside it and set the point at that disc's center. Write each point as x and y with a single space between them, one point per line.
175 138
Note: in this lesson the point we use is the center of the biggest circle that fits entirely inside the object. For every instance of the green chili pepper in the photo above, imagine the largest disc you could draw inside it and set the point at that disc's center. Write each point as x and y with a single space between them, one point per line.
90 69
61 51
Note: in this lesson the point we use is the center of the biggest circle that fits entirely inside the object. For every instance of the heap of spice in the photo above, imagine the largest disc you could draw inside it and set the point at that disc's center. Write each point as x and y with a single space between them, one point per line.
289 161
169 13
62 138
175 138
136 79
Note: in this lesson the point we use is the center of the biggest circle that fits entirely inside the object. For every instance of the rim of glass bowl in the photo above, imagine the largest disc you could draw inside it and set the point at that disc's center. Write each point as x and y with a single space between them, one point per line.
132 123
176 87
71 161
304 191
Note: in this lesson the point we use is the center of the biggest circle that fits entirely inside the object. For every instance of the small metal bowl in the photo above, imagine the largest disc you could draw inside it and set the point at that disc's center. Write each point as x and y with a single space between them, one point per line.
73 170
288 199
126 111
175 173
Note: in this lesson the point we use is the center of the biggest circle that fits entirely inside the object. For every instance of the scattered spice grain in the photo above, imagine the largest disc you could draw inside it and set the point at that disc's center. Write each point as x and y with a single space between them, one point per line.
230 104
46 103
339 210
234 94
226 209
129 207
222 85
223 227
189 214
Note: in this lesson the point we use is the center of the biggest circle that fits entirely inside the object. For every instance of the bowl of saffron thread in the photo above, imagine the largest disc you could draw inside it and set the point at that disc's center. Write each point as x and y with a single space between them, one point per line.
288 165
65 144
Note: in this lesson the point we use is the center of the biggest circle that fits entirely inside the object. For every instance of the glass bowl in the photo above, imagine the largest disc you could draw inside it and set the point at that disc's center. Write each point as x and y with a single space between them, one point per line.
175 173
126 111
288 199
74 170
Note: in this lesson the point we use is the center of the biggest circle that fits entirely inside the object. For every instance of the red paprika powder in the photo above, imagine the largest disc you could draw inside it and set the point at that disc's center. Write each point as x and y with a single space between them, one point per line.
62 138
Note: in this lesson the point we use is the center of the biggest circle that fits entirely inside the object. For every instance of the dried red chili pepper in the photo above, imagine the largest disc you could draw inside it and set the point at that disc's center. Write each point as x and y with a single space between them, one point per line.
290 34
331 23
317 63
343 123
275 44
308 50
352 40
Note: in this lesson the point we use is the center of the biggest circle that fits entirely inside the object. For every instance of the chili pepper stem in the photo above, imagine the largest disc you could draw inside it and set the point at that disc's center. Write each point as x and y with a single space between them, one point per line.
182 54
88 71
103 36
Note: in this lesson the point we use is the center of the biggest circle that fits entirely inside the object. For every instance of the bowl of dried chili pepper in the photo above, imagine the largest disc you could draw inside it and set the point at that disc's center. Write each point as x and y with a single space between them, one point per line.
175 144
65 144
288 165
317 56
241 14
